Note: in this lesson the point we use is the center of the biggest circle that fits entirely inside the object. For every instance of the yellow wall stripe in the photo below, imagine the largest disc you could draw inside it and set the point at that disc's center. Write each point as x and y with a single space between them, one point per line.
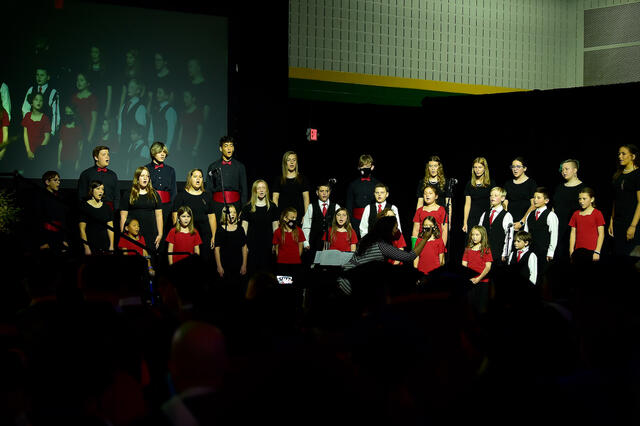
397 82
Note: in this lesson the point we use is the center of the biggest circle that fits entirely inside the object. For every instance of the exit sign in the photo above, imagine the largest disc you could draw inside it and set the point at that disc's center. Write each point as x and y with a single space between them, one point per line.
312 134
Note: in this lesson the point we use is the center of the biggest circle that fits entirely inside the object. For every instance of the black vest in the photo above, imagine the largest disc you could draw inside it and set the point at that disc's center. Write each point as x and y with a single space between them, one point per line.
495 233
128 119
160 125
373 212
521 267
539 230
320 224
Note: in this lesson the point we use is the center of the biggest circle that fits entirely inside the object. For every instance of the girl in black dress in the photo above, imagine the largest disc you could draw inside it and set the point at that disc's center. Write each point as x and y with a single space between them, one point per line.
476 193
565 203
259 220
520 191
625 213
231 247
434 175
143 203
199 201
94 215
291 189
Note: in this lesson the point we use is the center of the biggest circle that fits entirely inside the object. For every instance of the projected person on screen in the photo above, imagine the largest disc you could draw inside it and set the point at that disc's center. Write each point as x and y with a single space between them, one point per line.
37 127
102 87
50 97
190 135
232 172
161 78
5 98
86 106
199 85
164 119
133 113
70 145
138 150
132 71
100 172
4 131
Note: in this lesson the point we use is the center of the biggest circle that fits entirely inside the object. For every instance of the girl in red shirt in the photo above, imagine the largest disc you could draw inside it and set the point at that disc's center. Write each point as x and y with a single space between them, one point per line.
288 240
430 208
341 235
587 227
477 255
37 127
432 255
183 237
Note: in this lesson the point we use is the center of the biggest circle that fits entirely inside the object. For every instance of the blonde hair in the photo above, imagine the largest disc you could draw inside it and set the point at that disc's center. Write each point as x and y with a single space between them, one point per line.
484 239
254 195
282 223
283 179
486 180
135 186
334 225
365 159
187 185
158 147
182 210
501 191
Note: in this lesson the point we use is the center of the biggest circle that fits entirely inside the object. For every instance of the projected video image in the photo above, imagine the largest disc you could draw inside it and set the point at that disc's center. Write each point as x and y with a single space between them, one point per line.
92 75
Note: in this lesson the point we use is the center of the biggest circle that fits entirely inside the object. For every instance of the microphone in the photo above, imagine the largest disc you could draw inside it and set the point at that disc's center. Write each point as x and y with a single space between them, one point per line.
214 172
453 181
332 181
510 225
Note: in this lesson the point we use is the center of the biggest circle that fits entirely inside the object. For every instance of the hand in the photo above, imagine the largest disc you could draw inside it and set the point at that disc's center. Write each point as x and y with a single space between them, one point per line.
77 165
87 250
157 241
44 246
596 257
152 272
631 231
549 258
504 259
464 228
2 152
243 270
111 248
611 228
475 280
517 226
213 242
221 271
307 248
59 164
30 155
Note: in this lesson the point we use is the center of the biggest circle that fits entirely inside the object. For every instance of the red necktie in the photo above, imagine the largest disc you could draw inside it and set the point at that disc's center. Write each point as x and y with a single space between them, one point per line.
367 179
491 217
102 169
537 214
519 255
158 166
39 89
324 209
226 163
379 207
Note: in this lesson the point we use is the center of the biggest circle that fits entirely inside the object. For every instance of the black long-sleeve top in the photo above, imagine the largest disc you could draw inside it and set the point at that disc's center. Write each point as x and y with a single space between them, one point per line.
109 179
360 193
163 178
234 176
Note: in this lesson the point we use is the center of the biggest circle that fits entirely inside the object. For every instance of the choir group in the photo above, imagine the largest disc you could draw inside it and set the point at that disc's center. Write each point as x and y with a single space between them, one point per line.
246 230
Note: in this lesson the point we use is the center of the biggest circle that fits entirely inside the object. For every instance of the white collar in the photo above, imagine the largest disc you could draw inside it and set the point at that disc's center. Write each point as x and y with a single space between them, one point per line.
524 250
541 209
382 204
498 208
320 202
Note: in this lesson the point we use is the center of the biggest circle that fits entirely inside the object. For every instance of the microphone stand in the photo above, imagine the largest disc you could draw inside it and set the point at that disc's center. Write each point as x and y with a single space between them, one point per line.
448 195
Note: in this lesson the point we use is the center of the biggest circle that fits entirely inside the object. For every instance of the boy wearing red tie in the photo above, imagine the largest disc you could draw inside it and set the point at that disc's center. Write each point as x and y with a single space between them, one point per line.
523 259
318 218
100 172
360 191
163 179
230 171
380 194
499 225
542 223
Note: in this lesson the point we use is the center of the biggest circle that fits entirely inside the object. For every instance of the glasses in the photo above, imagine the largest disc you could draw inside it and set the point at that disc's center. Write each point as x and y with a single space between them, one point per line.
516 167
